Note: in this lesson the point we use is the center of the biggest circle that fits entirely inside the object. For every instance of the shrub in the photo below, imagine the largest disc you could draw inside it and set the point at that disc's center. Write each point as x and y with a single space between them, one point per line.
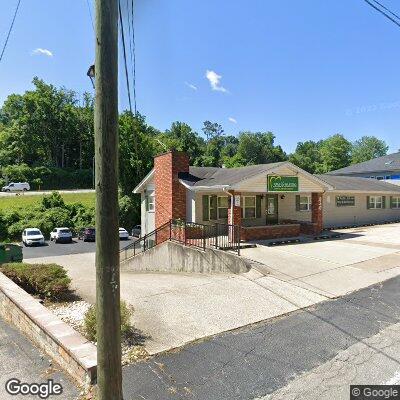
45 280
90 322
53 200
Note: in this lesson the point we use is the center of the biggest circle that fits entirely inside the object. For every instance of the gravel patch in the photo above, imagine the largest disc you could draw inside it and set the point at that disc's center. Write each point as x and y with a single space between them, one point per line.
73 313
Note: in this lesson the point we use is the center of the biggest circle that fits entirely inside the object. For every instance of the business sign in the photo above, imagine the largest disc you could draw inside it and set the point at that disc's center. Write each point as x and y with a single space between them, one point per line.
345 201
277 183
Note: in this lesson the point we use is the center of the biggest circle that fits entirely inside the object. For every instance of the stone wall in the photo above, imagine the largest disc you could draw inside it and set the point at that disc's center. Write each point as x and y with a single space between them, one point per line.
68 348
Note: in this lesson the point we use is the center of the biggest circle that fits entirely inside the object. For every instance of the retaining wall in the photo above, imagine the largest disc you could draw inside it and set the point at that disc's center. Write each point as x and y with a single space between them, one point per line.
75 354
175 257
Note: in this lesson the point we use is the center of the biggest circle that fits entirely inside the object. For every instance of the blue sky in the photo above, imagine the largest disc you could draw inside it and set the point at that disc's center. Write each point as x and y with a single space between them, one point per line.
304 69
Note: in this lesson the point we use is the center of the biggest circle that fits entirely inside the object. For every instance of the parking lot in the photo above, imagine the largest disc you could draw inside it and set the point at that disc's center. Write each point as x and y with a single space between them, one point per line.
51 249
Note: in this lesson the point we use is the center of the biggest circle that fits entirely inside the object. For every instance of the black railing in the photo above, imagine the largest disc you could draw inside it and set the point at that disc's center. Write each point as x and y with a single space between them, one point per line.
201 236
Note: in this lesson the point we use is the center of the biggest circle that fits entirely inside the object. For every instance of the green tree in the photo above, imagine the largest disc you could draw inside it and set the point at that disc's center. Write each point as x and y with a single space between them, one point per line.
307 156
335 153
46 126
212 130
182 137
256 148
136 150
367 148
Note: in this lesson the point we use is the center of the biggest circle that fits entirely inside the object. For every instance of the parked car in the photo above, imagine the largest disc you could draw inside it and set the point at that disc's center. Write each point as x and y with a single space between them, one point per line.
87 234
16 187
32 237
61 235
137 231
123 234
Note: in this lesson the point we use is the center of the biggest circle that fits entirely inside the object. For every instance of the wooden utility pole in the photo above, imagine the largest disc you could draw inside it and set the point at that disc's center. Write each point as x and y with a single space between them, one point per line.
109 375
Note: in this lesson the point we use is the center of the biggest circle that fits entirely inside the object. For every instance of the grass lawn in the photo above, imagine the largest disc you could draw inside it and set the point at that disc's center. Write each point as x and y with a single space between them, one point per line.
26 200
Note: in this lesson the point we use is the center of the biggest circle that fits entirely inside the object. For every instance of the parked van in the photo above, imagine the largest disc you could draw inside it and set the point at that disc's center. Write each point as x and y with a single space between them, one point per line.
16 187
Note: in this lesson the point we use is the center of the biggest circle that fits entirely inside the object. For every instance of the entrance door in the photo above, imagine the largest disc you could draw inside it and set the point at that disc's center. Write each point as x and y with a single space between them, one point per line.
272 209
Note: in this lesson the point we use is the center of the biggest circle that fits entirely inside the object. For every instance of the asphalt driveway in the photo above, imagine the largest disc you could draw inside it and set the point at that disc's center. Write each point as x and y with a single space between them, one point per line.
51 249
20 359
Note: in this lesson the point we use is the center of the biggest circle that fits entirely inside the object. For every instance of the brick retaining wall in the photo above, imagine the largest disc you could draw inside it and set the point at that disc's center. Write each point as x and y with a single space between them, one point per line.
68 348
269 232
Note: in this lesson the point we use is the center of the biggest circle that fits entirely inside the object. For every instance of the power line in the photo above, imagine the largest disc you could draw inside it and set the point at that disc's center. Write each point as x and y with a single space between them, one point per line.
125 61
387 9
132 46
383 12
9 31
90 13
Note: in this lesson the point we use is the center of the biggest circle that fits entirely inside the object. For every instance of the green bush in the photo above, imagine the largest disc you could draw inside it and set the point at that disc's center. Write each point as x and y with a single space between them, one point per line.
90 326
45 280
53 200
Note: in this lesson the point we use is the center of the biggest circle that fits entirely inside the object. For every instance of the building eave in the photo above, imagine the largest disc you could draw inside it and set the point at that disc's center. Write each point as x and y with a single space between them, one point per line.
138 188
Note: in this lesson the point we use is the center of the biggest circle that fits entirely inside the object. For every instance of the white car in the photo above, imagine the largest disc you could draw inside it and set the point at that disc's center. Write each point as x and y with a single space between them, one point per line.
123 234
32 237
61 235
16 187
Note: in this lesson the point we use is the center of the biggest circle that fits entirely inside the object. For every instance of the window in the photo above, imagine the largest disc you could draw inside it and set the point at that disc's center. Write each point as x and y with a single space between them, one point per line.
249 207
305 203
380 178
150 202
375 202
388 177
345 201
215 207
223 205
395 202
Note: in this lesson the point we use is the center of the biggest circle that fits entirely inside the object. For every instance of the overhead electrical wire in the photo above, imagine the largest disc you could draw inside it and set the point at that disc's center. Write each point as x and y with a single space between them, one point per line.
90 13
387 9
10 30
124 54
397 22
134 54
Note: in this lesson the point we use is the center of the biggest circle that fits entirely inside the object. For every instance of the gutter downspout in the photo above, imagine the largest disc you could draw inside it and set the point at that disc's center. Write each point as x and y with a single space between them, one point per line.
225 189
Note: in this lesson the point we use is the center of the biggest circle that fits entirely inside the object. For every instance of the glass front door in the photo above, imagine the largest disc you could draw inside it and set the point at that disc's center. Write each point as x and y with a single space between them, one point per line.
272 209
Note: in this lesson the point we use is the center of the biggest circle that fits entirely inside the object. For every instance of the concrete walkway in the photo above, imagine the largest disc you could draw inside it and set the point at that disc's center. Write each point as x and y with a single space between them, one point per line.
20 359
174 309
362 257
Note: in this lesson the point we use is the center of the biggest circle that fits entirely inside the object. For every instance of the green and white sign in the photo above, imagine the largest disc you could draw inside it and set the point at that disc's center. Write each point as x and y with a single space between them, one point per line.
277 183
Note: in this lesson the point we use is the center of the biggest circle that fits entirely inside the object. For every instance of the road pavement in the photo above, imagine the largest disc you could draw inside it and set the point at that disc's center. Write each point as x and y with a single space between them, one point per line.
261 359
20 359
44 192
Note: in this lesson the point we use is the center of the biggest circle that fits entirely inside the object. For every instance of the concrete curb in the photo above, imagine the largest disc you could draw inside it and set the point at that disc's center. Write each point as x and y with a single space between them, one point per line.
67 347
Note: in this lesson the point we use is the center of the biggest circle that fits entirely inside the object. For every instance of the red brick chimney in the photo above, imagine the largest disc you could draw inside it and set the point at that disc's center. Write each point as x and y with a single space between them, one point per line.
170 194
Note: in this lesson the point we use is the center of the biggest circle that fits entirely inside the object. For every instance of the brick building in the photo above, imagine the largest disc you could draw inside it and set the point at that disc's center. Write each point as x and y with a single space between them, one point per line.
266 201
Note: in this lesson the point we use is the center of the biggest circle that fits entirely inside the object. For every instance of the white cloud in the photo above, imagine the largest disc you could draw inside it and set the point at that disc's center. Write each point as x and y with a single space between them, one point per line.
233 120
215 81
42 52
191 86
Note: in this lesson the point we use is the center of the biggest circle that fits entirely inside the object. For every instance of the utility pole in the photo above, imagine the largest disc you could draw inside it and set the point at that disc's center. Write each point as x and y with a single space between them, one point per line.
109 372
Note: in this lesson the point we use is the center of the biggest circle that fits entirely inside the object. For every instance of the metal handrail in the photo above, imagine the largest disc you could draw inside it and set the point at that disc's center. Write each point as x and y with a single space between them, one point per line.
202 236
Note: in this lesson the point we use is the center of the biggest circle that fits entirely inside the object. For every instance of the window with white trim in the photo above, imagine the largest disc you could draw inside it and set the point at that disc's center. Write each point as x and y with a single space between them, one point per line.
395 203
375 202
305 203
223 205
150 202
249 207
